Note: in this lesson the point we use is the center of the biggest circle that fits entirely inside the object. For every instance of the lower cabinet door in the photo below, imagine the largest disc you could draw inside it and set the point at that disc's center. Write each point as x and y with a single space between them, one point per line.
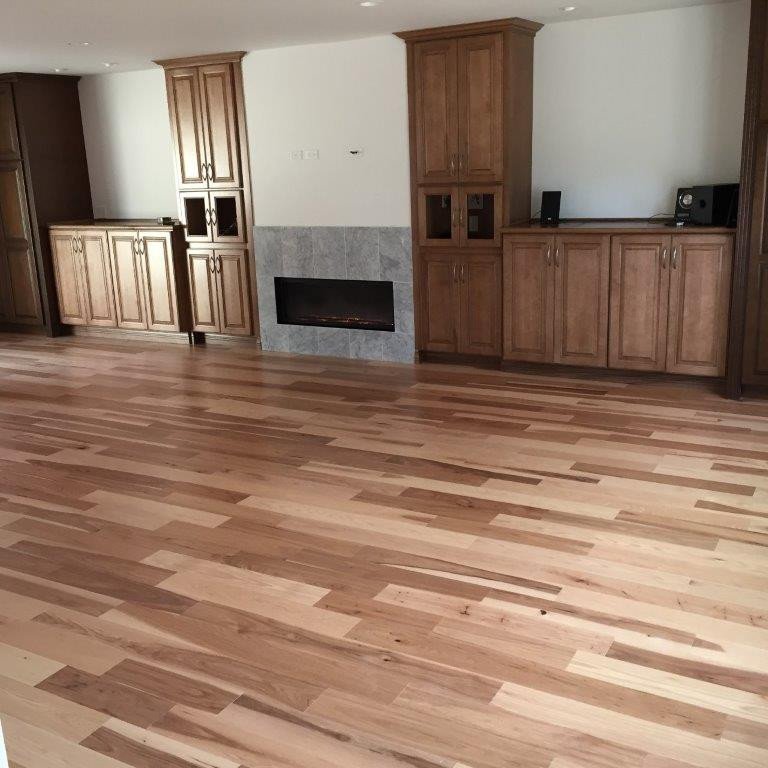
480 305
127 279
699 301
233 293
528 298
639 302
581 267
202 289
4 299
66 266
97 278
159 281
440 286
23 295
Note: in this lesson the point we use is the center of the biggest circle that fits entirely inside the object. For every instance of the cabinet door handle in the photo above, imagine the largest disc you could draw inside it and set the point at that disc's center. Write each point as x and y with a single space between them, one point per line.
549 256
463 279
454 273
214 217
461 163
207 217
204 171
218 268
664 258
557 257
212 264
461 216
453 218
453 164
210 172
74 244
674 258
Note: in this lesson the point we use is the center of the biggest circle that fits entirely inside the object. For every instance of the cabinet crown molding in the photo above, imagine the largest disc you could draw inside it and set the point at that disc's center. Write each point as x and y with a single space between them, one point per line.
475 28
202 59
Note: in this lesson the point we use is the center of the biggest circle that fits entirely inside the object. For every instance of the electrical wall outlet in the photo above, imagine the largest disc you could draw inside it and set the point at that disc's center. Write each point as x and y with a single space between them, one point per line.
295 154
311 154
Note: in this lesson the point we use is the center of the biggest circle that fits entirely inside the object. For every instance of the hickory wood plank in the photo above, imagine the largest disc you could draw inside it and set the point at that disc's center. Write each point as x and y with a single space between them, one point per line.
309 562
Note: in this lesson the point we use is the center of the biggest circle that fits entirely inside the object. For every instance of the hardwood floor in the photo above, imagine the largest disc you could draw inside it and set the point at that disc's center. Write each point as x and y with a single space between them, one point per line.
213 558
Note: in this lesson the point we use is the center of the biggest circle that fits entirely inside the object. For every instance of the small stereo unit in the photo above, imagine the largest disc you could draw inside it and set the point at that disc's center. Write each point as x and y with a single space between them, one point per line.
683 205
715 205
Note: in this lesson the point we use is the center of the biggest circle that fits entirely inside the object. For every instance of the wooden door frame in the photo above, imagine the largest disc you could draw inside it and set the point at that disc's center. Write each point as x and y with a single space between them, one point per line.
758 30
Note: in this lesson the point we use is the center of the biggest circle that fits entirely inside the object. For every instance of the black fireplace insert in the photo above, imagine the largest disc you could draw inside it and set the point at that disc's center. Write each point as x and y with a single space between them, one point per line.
366 304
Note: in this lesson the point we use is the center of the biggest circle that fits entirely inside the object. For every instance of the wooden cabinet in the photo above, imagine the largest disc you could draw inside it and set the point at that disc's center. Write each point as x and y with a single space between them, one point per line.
43 176
463 293
556 299
121 276
699 300
219 290
205 102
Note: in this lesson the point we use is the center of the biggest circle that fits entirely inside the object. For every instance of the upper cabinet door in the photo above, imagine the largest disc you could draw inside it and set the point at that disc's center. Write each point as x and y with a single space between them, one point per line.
582 265
9 136
481 123
97 277
159 281
127 278
639 302
436 129
480 304
183 87
66 267
699 300
528 298
220 125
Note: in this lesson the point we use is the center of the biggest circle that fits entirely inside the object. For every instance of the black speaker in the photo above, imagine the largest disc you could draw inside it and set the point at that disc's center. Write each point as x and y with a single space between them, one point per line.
550 208
683 205
715 205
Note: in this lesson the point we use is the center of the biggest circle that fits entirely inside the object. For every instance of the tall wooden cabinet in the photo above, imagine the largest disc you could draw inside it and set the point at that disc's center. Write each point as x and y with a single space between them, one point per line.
207 113
43 177
470 102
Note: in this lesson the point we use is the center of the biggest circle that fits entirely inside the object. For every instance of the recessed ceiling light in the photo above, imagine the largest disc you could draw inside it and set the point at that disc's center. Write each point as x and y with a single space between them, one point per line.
60 69
370 3
109 64
84 43
568 8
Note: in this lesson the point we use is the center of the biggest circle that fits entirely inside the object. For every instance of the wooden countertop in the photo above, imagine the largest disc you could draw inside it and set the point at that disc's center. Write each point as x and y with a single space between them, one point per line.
113 224
614 227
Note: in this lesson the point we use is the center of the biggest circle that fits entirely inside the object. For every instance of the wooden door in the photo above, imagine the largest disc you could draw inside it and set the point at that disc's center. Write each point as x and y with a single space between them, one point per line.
227 217
639 302
93 247
528 298
220 125
159 281
196 216
127 279
4 299
438 211
232 290
202 287
582 268
23 292
699 301
9 135
183 86
440 297
436 129
480 305
480 216
68 275
480 94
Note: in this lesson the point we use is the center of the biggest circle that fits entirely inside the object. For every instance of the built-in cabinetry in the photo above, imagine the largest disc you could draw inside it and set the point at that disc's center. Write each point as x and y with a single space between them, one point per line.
638 300
42 153
121 275
206 108
470 103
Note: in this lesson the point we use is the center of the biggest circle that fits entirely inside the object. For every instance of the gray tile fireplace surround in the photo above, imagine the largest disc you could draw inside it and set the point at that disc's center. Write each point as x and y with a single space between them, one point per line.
353 253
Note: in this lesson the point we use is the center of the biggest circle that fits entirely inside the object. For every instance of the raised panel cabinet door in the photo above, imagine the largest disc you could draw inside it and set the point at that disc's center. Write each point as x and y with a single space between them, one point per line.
127 279
582 268
639 302
233 293
14 213
23 292
159 281
528 298
9 135
436 125
699 301
4 299
68 275
481 122
480 305
201 267
98 290
440 297
183 86
220 125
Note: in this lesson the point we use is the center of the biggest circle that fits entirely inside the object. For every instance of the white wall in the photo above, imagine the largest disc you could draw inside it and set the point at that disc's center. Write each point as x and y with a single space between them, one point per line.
128 143
331 97
628 108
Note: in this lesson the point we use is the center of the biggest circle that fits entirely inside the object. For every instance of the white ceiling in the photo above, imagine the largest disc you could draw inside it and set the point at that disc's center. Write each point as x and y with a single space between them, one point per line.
40 35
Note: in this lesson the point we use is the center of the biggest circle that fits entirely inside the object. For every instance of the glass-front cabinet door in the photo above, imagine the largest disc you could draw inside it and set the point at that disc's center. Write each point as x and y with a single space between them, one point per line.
227 217
439 216
196 216
480 216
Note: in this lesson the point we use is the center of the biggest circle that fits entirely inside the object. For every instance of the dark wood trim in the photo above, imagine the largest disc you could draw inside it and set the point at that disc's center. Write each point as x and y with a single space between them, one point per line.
735 355
231 57
475 28
455 358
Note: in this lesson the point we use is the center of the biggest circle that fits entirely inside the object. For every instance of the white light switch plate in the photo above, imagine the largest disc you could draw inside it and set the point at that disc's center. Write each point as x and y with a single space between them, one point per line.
311 154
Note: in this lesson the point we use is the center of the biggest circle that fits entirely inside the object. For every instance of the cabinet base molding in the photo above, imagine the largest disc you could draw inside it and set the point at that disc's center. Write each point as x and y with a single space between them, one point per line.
223 338
164 337
19 328
456 358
